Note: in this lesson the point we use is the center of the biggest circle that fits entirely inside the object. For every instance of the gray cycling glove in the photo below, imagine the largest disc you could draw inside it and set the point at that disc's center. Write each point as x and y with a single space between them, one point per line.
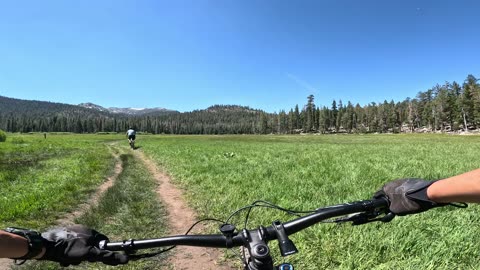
75 244
408 196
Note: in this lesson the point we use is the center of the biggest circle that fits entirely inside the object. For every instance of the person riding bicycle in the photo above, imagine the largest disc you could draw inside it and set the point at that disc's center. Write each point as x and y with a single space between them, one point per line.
131 133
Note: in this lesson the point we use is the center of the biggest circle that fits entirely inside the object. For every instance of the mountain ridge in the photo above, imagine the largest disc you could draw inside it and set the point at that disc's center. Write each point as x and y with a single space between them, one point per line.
18 115
127 111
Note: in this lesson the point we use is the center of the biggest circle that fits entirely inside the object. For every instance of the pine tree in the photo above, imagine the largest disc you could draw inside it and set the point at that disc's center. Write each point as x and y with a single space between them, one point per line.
310 114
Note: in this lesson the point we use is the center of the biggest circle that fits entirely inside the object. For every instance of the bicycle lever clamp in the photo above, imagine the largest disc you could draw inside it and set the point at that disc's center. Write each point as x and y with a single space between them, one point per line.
364 218
287 247
228 230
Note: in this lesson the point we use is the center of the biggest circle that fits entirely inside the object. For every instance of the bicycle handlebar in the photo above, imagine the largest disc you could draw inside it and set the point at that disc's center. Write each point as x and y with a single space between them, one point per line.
241 238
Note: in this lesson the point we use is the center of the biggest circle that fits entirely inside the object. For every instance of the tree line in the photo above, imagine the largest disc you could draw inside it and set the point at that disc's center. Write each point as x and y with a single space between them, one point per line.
447 107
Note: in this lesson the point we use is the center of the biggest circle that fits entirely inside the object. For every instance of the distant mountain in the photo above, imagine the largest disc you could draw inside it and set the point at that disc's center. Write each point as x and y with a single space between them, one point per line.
92 106
128 111
18 115
230 108
436 109
44 108
140 111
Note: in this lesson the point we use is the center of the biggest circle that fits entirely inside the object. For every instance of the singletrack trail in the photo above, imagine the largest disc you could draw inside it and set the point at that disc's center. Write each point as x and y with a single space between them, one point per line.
69 218
180 217
5 264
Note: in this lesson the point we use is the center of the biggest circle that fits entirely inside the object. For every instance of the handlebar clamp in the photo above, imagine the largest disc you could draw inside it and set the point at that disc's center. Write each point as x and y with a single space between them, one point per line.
128 246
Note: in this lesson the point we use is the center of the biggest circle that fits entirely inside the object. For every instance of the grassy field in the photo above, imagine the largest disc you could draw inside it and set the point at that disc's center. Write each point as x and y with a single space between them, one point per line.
41 178
121 215
222 173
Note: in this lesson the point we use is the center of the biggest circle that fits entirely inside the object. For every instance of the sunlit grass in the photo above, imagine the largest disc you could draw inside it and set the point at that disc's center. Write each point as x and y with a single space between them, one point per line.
222 173
130 209
42 178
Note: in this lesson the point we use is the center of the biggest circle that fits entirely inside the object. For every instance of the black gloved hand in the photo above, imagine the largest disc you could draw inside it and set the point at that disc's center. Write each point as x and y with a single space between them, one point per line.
408 196
75 244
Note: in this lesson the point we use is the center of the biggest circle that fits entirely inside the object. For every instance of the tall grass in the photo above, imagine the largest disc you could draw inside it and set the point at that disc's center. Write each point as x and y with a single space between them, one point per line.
222 173
128 210
42 178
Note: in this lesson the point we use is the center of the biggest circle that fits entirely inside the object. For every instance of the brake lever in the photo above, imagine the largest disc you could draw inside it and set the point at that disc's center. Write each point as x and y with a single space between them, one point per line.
388 217
363 218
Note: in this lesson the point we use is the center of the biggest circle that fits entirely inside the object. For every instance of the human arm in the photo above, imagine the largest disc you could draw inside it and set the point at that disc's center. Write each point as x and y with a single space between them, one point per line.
413 195
65 245
14 246
460 188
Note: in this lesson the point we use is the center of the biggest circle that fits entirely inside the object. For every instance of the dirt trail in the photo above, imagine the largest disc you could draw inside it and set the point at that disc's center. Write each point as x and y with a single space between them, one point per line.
180 217
5 264
68 218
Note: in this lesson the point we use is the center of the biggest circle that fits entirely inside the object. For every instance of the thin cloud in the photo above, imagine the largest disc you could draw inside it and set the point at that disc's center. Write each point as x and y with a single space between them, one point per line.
302 83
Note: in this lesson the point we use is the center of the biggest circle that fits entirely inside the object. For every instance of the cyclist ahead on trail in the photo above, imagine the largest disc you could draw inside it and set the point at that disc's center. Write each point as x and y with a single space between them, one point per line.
131 134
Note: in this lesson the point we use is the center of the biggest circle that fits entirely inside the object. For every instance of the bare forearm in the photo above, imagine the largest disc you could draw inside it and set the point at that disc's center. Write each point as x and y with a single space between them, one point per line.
14 246
460 188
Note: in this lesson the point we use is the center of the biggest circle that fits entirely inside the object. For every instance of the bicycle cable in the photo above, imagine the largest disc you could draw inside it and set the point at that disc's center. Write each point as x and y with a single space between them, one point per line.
248 208
135 257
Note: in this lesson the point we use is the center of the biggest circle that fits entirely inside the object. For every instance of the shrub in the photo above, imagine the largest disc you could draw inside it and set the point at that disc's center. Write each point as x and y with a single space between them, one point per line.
3 136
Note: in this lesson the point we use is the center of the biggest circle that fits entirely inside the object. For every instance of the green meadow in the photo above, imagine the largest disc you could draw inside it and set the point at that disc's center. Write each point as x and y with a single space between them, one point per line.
43 178
223 173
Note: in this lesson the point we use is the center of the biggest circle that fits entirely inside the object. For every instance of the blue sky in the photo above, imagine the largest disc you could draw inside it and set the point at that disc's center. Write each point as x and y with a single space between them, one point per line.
266 54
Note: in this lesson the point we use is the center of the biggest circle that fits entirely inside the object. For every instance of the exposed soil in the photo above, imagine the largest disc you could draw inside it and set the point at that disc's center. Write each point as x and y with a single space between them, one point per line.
5 264
180 217
68 219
